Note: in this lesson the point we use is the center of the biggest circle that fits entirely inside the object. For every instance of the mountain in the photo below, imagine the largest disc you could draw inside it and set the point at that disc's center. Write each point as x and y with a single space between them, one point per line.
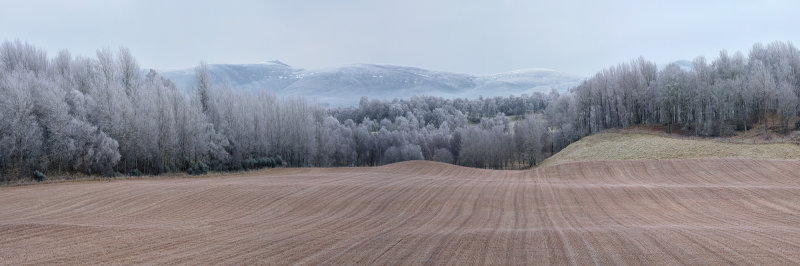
345 85
686 65
526 81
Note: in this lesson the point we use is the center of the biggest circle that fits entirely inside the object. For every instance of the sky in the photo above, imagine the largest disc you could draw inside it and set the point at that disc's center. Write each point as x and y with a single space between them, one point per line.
472 37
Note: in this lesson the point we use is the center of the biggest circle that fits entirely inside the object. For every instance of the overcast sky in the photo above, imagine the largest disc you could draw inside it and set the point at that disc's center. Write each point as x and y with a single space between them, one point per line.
475 37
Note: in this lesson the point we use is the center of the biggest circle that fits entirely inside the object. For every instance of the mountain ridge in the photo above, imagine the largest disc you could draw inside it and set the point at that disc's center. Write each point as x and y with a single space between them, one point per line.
344 85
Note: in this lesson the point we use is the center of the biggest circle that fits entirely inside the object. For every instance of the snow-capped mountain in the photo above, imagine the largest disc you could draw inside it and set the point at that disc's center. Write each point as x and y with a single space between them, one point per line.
345 85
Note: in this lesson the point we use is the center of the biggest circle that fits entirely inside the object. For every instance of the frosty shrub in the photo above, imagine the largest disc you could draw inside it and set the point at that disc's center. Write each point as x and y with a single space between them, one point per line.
443 155
39 176
198 168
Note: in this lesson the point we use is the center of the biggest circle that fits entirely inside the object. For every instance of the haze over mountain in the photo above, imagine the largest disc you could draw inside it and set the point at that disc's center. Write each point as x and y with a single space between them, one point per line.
345 85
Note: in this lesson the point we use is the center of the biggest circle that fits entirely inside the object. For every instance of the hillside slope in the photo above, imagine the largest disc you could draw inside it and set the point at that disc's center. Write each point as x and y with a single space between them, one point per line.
642 146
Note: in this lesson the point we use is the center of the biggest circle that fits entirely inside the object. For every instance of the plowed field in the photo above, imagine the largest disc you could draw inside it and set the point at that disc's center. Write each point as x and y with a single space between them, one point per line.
696 211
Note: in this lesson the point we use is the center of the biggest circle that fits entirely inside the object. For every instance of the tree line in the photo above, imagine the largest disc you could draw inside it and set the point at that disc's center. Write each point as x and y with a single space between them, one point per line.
717 98
105 115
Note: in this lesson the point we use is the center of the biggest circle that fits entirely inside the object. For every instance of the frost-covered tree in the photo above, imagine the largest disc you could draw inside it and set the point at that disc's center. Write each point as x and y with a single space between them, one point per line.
529 140
104 115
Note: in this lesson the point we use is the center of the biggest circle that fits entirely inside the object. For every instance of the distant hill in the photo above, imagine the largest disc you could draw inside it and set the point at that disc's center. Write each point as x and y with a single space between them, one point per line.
345 85
686 65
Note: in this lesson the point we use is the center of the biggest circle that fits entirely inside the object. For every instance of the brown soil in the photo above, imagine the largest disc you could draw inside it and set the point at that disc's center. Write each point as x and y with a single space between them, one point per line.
697 211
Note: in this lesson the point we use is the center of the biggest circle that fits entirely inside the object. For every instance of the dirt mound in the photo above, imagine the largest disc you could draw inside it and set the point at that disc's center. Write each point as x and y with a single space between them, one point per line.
701 211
